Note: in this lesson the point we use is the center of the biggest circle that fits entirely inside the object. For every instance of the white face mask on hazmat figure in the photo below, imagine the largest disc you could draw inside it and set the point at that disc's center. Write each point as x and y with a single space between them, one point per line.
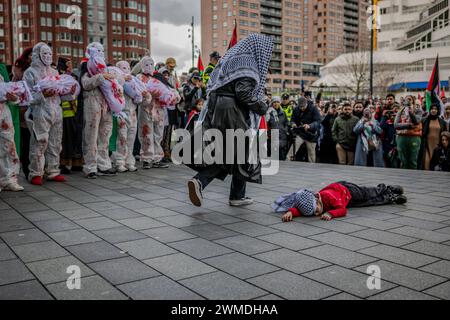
148 65
46 55
100 49
124 66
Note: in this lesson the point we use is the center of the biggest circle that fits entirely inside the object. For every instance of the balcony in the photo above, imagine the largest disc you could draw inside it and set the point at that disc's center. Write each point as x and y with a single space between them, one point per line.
273 22
270 12
271 31
271 4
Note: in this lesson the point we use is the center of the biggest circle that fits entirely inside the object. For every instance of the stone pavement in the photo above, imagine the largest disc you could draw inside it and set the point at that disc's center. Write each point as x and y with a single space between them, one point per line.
135 236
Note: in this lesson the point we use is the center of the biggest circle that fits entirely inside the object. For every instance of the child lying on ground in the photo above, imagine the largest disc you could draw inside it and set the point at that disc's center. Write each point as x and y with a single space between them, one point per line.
333 201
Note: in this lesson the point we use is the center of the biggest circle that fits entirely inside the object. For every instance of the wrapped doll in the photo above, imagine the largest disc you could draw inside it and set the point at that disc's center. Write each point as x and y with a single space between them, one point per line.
19 89
62 84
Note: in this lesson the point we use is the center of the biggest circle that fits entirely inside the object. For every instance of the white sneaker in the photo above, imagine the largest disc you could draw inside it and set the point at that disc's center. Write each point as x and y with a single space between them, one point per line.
132 169
121 169
13 186
241 202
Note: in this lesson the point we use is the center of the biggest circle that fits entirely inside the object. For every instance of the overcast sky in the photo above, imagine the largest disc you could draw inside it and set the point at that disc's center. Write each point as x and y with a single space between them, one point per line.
170 21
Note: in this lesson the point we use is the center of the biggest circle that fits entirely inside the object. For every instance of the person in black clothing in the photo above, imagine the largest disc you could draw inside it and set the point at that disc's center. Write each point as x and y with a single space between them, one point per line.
441 155
193 90
388 138
277 120
328 146
236 100
306 127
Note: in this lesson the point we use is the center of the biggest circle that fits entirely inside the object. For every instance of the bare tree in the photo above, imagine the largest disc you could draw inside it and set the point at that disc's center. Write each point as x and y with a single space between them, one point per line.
356 70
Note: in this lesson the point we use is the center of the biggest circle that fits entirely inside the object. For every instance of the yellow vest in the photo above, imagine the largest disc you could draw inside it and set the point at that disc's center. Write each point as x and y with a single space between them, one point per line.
69 108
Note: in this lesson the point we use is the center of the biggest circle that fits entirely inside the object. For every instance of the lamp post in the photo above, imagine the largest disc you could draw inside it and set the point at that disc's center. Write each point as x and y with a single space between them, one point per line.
192 37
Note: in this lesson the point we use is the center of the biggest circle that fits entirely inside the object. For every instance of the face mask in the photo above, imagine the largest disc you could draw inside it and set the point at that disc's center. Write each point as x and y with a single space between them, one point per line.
125 67
46 56
148 66
100 50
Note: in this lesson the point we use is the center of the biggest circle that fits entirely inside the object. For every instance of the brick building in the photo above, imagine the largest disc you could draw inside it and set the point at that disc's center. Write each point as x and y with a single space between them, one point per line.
307 34
70 25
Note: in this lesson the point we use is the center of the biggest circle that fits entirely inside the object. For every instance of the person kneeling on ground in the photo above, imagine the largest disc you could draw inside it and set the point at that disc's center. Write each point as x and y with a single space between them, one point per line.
333 201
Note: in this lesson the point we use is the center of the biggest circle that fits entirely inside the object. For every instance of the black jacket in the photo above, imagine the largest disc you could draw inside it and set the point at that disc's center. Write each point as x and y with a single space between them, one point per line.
440 160
278 120
311 116
190 95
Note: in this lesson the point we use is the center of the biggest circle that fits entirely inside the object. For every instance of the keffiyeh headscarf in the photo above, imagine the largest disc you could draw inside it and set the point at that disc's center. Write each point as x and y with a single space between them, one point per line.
304 201
248 58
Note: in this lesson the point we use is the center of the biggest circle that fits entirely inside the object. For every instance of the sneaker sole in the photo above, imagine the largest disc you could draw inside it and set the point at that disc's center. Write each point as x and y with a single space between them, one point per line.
194 190
241 204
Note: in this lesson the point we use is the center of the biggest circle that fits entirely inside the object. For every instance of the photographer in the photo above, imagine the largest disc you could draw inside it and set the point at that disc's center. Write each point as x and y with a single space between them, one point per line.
306 126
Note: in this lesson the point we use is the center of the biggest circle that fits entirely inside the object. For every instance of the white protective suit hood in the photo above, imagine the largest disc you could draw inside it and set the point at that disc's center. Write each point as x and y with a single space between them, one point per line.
41 61
98 46
148 65
124 66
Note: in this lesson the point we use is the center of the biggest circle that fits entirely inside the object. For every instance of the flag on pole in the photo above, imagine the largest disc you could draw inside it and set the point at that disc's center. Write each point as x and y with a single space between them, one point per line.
434 88
375 25
234 38
200 66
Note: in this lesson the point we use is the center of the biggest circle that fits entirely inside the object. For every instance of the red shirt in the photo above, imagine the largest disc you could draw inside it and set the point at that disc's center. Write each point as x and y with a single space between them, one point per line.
335 199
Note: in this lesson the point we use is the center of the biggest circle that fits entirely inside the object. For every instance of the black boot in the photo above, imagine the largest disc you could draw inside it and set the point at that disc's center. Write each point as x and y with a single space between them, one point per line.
397 189
400 199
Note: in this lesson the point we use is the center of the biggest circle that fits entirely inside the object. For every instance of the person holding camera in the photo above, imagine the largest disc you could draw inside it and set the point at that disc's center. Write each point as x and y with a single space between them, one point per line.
306 127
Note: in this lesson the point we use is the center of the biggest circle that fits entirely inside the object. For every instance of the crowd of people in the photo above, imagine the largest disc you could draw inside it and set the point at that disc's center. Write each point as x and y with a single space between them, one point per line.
379 133
79 132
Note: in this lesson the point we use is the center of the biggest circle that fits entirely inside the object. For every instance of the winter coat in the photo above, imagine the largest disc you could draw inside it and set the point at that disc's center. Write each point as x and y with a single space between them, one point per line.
424 142
229 108
310 116
343 132
388 136
277 119
191 94
361 153
441 159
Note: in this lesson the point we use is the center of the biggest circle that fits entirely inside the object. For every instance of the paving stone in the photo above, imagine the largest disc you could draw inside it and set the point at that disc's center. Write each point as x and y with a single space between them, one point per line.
39 251
401 293
441 291
424 216
98 223
291 261
246 245
444 230
404 276
9 215
168 234
142 223
422 234
102 206
12 271
293 287
299 229
270 297
24 237
159 288
250 229
181 221
6 253
56 225
55 270
349 281
221 286
92 288
200 248
336 225
430 248
289 241
156 212
263 219
73 237
210 231
120 214
441 268
400 256
147 196
422 224
14 225
342 296
339 256
28 290
170 266
216 218
240 265
145 248
120 234
29 207
95 251
343 241
123 270
372 223
385 237
42 215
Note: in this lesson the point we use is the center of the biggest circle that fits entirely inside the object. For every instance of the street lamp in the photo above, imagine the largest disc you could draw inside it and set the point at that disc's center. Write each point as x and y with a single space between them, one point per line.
191 36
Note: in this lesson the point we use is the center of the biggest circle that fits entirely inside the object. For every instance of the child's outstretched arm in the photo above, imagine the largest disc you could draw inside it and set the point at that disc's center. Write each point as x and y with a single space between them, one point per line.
289 216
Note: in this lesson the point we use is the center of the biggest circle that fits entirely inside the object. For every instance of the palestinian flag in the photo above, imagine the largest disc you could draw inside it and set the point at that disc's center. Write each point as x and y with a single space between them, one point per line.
200 66
234 38
434 89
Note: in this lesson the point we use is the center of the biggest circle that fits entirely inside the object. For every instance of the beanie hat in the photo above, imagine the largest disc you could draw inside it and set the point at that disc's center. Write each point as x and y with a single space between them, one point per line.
303 200
276 99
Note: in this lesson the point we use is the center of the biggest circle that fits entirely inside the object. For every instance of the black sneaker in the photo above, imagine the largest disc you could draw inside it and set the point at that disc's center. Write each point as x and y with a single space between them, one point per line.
166 160
400 199
92 175
107 173
64 170
146 165
160 165
195 192
397 189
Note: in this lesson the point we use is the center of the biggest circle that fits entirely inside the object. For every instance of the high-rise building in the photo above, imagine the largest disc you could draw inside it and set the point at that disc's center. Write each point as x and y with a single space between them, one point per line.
123 27
306 33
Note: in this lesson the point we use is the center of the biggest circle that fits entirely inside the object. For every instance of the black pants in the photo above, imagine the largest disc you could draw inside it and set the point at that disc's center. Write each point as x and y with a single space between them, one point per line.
25 137
208 174
368 196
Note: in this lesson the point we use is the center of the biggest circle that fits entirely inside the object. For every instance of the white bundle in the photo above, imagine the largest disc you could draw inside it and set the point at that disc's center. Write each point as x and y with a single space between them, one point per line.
19 89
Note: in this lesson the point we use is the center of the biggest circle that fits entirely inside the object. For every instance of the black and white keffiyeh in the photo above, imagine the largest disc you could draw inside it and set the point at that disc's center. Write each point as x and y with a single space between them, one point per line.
304 200
250 58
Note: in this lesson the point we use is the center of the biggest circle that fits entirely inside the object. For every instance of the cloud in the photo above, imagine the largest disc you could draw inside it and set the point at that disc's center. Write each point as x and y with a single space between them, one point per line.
175 12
